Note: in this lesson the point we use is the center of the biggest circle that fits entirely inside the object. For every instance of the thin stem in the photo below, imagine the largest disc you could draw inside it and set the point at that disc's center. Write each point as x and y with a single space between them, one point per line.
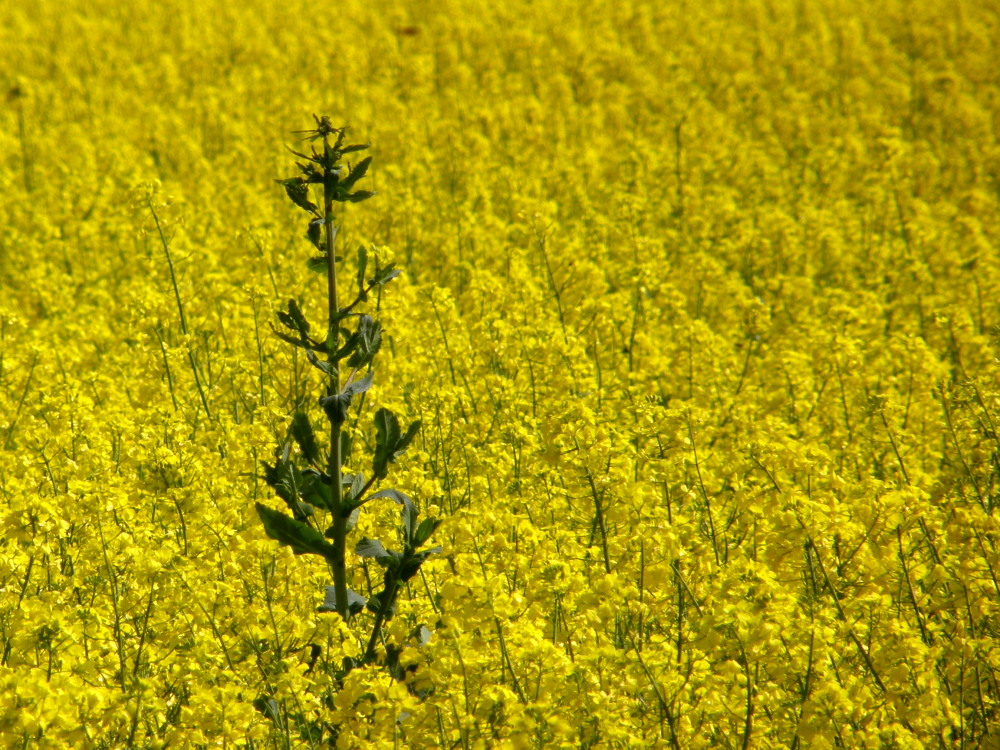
355 502
541 237
660 697
843 616
166 366
334 465
600 523
678 171
359 299
180 307
704 492
260 352
895 448
20 404
387 599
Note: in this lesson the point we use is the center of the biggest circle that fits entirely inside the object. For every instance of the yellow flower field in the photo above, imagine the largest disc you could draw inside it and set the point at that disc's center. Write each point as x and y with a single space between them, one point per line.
700 314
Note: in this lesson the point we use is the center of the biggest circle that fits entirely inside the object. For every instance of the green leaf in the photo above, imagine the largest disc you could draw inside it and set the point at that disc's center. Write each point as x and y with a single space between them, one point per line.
289 483
368 341
384 275
409 518
375 604
286 320
409 512
355 147
333 173
304 510
355 602
389 444
360 195
395 495
315 490
352 520
330 601
362 267
354 484
387 435
318 363
298 190
299 320
336 406
411 432
295 341
315 233
317 264
302 538
410 564
372 548
351 340
269 707
304 436
357 173
361 384
425 530
271 475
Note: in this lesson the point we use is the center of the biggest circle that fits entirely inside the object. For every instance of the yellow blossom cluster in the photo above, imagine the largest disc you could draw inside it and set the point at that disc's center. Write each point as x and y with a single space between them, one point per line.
699 314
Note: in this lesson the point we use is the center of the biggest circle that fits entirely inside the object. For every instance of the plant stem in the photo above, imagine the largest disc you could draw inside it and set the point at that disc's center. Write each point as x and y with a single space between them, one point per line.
180 307
20 404
166 365
338 563
599 522
387 599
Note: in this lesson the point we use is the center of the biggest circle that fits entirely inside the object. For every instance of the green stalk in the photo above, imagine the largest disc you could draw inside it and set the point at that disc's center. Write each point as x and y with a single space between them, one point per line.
388 596
180 307
338 563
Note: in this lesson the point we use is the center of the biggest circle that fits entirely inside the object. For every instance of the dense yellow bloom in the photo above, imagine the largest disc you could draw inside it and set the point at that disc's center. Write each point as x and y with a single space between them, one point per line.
699 314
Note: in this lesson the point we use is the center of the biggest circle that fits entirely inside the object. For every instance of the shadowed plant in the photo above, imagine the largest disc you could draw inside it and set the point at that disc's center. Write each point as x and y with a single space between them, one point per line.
322 501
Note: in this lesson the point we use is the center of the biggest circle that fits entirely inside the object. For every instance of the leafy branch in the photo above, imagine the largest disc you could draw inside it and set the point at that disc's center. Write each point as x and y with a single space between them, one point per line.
322 501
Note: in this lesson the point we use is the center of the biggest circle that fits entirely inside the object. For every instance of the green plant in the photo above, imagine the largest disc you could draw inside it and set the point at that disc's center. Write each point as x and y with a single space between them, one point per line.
323 500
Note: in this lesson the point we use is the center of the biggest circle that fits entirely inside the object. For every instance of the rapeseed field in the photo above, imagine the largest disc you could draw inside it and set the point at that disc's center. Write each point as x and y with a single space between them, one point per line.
699 317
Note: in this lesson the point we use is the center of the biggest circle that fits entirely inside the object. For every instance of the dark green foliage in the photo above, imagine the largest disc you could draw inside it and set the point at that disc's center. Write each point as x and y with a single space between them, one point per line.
356 173
317 264
371 548
304 436
362 268
315 234
355 601
315 489
368 340
302 538
298 191
359 196
325 503
336 406
385 275
389 443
